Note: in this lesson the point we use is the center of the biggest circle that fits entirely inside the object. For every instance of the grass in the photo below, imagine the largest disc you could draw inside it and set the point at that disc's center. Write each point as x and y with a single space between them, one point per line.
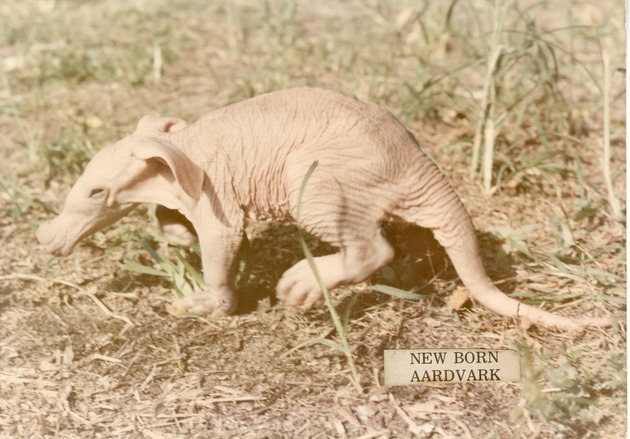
341 325
183 275
184 278
571 387
526 96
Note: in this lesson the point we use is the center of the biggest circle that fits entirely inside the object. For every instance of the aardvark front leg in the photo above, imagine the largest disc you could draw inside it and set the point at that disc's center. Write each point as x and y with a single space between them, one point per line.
219 255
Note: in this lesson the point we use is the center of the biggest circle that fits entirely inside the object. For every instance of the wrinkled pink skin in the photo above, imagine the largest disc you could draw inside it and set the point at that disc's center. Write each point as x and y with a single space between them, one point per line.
248 160
89 207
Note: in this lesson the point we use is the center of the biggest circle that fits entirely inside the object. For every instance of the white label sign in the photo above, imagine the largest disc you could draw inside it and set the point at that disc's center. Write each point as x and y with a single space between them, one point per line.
417 366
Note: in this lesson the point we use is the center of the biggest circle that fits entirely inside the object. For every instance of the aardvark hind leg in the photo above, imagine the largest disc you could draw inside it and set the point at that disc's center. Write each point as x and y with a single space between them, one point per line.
175 227
299 286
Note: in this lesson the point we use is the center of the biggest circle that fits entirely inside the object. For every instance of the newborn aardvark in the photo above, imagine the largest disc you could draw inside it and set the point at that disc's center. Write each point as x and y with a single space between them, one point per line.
249 159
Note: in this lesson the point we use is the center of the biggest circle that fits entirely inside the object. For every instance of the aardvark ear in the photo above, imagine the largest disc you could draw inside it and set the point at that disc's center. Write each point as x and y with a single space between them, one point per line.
187 174
154 125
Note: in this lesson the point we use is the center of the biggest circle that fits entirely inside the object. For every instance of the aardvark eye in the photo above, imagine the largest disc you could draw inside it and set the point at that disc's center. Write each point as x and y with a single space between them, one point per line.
97 193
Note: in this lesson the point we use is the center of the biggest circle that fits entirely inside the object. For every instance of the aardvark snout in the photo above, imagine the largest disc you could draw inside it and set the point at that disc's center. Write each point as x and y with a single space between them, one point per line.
54 242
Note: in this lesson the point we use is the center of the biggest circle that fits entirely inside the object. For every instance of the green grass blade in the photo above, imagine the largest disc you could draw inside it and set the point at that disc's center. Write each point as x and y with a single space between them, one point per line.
142 269
330 343
310 171
191 271
348 310
152 252
343 346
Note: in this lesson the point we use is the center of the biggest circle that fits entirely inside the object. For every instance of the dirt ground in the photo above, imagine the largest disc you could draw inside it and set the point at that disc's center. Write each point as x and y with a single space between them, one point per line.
88 350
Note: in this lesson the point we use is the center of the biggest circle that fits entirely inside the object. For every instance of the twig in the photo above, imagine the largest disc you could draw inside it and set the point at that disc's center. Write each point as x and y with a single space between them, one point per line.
91 295
463 426
105 358
486 110
106 310
235 399
373 434
487 127
413 427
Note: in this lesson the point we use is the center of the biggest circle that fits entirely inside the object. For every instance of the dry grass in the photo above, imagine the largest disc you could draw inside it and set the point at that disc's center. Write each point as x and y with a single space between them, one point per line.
87 349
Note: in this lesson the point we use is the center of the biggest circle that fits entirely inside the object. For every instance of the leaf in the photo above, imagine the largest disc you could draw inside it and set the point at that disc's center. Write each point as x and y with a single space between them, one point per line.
457 299
585 212
515 238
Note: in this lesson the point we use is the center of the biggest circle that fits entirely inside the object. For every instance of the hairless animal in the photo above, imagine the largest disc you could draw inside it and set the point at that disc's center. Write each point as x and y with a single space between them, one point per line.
248 160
